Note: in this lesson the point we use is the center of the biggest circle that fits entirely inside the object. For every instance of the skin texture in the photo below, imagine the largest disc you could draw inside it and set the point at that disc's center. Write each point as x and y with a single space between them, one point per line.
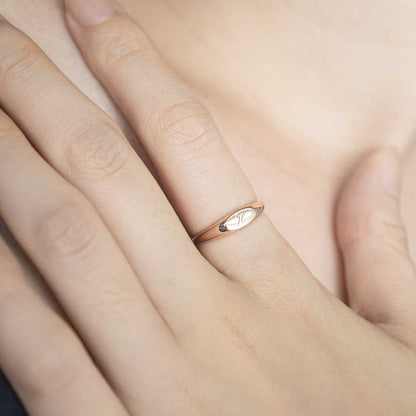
236 326
330 83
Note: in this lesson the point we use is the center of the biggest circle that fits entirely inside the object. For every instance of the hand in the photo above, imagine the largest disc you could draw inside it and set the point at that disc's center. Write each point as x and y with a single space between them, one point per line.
156 326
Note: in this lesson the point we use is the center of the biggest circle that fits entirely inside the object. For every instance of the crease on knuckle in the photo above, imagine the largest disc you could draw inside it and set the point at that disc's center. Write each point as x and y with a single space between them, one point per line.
123 48
97 151
186 128
51 368
67 229
117 300
393 234
19 59
374 230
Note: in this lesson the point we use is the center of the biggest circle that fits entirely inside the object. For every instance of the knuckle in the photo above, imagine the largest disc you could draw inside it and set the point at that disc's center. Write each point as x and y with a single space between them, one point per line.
18 57
66 229
186 128
97 151
52 367
374 231
124 47
117 301
393 233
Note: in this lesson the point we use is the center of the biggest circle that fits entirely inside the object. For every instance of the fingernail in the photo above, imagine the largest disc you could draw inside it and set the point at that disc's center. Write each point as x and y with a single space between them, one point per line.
391 172
90 12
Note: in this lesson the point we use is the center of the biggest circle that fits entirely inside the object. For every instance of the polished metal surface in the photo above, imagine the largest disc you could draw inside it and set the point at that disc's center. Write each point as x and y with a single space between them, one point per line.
238 220
230 223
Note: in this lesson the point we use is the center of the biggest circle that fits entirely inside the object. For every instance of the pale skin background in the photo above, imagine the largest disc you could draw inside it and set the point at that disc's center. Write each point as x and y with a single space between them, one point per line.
302 91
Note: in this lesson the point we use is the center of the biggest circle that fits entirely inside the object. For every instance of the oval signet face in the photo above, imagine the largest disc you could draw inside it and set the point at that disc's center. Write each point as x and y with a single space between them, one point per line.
239 219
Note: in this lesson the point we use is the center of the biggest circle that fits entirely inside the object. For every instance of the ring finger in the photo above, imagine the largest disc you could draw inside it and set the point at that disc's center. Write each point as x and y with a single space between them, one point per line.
199 173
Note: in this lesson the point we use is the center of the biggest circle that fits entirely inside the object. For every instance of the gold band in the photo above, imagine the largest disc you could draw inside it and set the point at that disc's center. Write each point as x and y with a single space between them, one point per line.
231 223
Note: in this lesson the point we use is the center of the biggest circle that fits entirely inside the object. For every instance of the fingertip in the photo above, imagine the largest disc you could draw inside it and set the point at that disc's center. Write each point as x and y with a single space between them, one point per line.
379 171
372 190
390 170
90 13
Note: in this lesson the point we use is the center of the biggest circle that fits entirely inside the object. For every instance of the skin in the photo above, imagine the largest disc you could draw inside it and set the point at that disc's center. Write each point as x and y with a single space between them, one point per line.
238 325
363 96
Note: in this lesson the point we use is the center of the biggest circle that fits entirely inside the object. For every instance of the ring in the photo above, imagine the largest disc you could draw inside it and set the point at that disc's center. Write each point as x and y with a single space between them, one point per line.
232 222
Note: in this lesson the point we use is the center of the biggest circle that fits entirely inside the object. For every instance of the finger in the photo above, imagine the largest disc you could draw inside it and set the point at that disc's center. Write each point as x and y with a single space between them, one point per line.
199 174
75 252
380 276
42 357
89 150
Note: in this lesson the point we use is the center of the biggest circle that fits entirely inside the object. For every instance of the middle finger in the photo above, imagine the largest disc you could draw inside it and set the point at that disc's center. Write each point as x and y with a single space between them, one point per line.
75 252
89 150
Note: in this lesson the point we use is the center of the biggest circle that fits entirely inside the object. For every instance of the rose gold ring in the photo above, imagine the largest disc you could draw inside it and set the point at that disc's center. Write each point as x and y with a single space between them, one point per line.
232 222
